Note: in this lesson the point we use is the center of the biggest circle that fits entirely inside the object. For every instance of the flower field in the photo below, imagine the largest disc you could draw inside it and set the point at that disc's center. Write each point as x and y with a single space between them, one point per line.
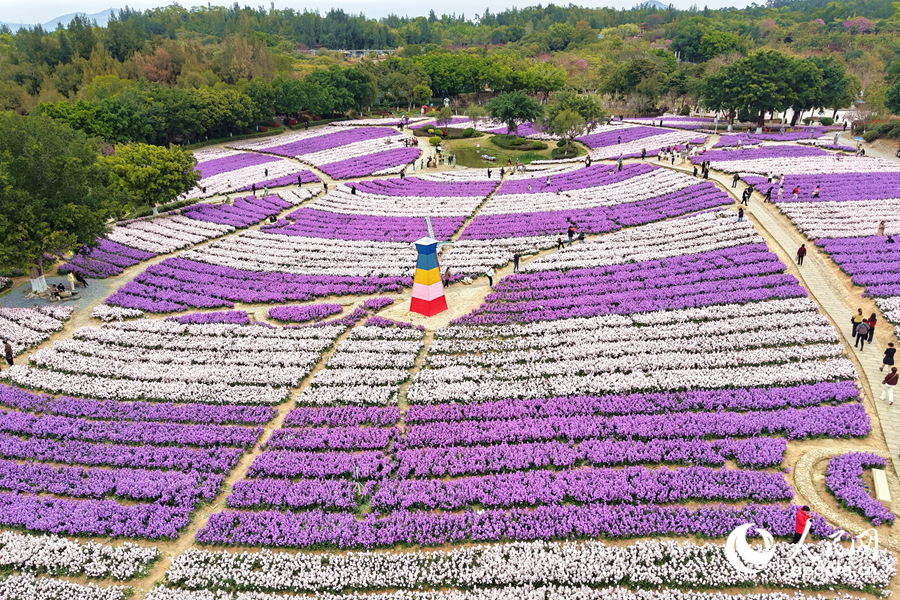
255 411
225 171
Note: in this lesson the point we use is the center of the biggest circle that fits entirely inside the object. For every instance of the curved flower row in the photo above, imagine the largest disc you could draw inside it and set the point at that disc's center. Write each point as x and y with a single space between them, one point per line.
843 477
27 327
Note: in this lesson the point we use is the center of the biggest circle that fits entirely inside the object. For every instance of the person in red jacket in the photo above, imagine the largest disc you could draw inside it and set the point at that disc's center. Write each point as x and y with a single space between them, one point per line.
889 383
800 524
801 252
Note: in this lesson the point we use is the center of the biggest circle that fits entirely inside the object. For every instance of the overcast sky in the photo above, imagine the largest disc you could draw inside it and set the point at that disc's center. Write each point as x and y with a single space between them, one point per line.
19 11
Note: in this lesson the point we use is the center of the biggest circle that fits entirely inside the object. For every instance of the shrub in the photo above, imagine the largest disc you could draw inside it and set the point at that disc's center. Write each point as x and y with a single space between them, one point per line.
560 143
826 121
563 152
536 145
431 130
871 136
807 121
468 132
434 140
685 111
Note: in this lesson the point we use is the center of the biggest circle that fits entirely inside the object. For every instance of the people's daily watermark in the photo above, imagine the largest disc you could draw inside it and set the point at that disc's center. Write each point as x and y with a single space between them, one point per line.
746 559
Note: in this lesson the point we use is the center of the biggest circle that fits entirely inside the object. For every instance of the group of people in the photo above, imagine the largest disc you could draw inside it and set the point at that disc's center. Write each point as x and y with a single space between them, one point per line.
704 169
571 234
410 141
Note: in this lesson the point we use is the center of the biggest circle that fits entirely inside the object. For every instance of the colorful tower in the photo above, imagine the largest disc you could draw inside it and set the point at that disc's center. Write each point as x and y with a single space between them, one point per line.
428 290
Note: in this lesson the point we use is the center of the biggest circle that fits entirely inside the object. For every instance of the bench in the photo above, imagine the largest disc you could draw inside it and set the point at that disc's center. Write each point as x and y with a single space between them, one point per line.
882 493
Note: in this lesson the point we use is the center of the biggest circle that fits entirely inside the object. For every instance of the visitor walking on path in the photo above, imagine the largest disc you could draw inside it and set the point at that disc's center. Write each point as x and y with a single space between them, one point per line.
734 180
857 319
571 233
881 229
7 352
740 214
490 276
745 200
447 277
643 153
559 243
516 257
801 252
781 191
871 323
862 332
768 197
888 384
888 360
581 237
800 524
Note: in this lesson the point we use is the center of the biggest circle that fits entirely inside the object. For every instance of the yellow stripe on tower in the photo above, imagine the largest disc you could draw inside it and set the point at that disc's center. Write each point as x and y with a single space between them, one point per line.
427 277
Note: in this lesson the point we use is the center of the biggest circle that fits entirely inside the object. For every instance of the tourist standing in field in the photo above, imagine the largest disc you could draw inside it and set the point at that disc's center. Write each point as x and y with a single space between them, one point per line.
888 384
888 360
740 214
800 524
862 332
734 180
447 277
581 236
881 229
490 276
857 319
816 191
801 252
516 257
7 352
871 323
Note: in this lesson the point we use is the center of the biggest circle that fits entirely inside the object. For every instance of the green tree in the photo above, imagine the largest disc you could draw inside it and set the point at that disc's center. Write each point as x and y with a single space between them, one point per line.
514 108
568 125
476 112
444 116
589 108
807 84
760 83
152 175
55 196
892 98
421 94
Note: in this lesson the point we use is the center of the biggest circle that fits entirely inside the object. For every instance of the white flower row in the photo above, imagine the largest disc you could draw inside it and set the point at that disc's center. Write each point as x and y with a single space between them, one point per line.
787 306
342 200
213 153
128 389
690 235
644 563
298 196
843 219
60 556
890 308
237 179
544 198
463 174
714 335
375 122
824 164
504 593
259 251
27 327
667 137
166 234
29 587
261 145
476 256
651 379
347 151
108 313
365 368
150 359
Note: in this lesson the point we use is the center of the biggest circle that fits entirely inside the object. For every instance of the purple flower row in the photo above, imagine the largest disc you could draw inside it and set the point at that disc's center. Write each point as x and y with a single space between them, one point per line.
285 463
843 420
376 304
306 176
92 517
600 219
135 411
342 416
632 485
66 428
302 314
844 479
178 283
360 166
119 455
377 321
640 403
309 222
224 164
594 176
789 151
617 136
341 137
242 213
164 487
344 530
870 261
333 438
475 460
107 259
772 136
238 317
283 493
